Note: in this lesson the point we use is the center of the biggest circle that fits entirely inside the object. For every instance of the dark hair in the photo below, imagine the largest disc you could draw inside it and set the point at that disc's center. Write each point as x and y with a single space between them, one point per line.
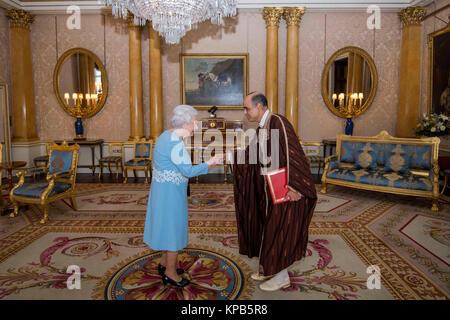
259 98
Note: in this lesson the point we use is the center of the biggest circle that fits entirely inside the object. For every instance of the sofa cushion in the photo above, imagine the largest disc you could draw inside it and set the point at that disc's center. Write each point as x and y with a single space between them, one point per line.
381 178
397 162
348 150
365 159
137 163
420 156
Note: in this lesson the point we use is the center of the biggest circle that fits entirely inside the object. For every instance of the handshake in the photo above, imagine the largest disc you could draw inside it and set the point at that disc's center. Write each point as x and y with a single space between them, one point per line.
218 158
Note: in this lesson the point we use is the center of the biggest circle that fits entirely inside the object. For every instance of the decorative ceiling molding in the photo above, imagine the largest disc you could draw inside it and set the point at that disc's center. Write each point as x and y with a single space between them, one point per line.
89 6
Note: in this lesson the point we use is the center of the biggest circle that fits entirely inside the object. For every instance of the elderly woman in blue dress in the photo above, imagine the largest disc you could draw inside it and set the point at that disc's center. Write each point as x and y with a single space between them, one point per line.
166 223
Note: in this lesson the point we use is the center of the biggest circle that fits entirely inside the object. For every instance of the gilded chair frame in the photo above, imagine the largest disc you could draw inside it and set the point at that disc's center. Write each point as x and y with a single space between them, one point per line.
65 176
111 152
384 137
146 169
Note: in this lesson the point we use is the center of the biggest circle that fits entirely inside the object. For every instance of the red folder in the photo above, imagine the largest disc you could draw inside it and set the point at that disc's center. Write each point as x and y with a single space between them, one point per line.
277 181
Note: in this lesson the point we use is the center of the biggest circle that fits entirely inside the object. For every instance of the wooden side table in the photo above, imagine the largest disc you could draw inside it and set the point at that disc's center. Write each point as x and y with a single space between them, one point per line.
9 167
328 145
87 143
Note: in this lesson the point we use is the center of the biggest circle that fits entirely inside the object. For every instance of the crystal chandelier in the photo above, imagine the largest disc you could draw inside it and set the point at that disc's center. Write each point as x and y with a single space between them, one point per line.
173 18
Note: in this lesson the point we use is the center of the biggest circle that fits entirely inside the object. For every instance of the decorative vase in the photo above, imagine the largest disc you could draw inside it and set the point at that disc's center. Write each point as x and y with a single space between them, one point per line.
349 127
79 129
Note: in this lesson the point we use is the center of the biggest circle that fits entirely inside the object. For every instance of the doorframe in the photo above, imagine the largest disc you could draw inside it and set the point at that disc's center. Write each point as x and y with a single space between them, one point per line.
4 105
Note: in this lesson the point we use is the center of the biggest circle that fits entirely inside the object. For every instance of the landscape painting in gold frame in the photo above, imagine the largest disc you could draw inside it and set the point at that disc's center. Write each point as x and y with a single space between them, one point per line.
219 80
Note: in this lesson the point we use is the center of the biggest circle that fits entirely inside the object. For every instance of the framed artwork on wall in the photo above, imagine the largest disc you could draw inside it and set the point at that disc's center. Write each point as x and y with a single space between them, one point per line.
439 69
5 137
219 80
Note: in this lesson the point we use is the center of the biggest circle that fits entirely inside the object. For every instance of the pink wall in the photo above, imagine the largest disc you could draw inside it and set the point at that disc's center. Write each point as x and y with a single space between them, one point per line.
50 39
4 48
321 34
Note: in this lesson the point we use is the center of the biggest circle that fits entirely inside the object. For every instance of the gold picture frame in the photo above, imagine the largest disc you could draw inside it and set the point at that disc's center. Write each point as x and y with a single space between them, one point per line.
438 46
219 80
5 127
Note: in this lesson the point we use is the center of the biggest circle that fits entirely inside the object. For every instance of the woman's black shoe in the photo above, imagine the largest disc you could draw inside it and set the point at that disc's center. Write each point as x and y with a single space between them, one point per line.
162 270
182 283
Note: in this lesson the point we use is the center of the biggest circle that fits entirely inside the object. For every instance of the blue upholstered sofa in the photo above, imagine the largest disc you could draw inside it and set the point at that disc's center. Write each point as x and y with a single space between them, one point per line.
387 164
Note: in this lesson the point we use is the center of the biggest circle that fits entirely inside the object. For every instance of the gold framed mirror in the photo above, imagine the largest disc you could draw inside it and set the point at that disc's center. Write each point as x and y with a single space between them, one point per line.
80 83
349 82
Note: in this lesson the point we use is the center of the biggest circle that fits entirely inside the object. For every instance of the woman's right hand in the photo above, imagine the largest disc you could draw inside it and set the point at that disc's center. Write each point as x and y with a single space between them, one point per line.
218 158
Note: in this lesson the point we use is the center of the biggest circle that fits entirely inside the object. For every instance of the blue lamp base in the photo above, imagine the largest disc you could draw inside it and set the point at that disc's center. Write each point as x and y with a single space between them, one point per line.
349 127
79 130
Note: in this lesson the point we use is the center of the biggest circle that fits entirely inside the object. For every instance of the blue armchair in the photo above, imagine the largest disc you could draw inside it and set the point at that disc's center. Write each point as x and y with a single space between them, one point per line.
142 159
61 178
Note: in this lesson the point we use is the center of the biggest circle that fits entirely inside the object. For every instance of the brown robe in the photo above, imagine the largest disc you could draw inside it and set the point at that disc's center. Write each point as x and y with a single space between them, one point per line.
277 234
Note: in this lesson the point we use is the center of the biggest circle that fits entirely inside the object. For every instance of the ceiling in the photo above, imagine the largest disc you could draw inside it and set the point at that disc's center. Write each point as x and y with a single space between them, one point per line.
89 6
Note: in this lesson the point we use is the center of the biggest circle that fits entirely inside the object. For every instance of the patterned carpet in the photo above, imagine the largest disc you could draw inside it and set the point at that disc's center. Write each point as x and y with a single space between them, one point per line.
351 230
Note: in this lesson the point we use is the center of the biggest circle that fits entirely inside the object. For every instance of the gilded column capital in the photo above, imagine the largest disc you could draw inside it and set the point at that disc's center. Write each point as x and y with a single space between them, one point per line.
272 16
412 16
19 18
293 15
130 20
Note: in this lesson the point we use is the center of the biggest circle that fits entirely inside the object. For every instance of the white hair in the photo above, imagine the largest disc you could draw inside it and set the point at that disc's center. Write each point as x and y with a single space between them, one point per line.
182 114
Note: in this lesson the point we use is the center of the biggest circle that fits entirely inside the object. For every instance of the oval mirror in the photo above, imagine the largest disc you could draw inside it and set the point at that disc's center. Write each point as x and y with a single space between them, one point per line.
349 82
80 83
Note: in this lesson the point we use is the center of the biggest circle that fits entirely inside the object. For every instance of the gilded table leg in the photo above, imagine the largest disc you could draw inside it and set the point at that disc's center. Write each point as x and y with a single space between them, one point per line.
45 210
100 170
9 170
73 203
93 159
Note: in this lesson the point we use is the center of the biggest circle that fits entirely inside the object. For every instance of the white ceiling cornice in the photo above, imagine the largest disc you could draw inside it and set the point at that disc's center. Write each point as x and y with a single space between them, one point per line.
45 7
